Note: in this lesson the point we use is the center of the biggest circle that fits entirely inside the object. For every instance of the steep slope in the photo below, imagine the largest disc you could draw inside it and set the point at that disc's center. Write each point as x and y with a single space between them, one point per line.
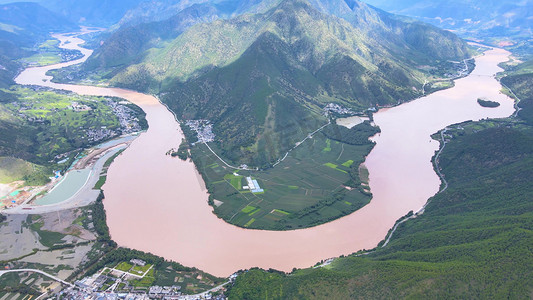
154 24
22 26
102 13
31 18
396 29
128 44
500 23
520 80
154 11
221 42
291 58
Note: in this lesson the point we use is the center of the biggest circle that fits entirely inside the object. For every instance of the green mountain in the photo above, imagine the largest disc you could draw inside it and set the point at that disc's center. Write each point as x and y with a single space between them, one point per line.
473 240
90 12
504 23
154 11
24 23
145 27
520 80
245 74
23 26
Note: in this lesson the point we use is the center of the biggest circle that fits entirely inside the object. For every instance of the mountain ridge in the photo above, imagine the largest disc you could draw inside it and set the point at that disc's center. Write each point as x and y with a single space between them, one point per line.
320 59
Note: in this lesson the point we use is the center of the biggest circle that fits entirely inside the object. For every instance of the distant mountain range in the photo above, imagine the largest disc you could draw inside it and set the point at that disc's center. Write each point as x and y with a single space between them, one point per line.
107 13
500 22
263 78
146 27
22 26
88 12
261 71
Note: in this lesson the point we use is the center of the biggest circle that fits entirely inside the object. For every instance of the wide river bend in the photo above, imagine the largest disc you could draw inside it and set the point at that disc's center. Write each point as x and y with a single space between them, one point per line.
159 204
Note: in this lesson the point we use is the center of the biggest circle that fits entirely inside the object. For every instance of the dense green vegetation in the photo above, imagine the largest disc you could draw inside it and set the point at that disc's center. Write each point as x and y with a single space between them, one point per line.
183 150
473 240
498 23
487 103
13 169
520 80
10 283
263 80
357 135
318 182
44 129
99 221
128 44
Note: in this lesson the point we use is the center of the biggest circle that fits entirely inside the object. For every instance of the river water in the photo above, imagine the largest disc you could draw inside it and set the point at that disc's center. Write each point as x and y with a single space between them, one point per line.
159 204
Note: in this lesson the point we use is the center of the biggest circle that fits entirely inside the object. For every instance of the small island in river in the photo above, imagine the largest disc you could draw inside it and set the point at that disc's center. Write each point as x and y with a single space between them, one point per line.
487 103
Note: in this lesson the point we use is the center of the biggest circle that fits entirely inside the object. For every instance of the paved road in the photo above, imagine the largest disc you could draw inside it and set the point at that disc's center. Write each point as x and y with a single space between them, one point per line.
203 294
2 272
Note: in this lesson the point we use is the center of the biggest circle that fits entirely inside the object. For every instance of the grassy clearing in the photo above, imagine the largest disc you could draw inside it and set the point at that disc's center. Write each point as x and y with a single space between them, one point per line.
347 163
249 222
43 59
47 238
328 146
48 53
248 209
254 212
140 270
235 181
124 266
333 166
146 281
100 182
12 169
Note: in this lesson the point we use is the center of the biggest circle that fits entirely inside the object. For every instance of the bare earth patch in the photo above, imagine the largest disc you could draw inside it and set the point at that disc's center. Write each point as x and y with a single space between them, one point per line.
63 222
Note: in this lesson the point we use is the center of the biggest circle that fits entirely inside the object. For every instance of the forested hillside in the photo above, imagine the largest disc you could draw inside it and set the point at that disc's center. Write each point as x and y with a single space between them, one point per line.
473 240
497 22
292 58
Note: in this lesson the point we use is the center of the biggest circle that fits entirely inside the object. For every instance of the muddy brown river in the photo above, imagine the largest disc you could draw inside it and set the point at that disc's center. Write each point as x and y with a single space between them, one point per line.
159 204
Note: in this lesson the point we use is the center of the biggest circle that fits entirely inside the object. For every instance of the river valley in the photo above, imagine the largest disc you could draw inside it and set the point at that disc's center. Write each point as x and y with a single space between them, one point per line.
158 204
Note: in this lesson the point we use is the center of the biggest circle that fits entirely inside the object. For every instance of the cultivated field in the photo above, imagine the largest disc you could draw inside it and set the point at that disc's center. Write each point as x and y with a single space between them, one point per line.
316 183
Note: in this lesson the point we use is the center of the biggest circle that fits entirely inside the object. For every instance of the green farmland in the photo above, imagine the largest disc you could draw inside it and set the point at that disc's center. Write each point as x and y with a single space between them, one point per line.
48 53
310 187
43 129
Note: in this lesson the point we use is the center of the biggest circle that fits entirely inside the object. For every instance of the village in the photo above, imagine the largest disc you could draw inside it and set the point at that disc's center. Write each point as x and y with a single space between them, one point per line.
203 129
129 280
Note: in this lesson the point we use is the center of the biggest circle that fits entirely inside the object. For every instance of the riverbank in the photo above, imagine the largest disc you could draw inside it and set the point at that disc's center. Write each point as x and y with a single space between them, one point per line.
145 184
74 189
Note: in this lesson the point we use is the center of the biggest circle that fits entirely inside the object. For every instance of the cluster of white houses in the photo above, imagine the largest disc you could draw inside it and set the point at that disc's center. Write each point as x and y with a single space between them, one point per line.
253 186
